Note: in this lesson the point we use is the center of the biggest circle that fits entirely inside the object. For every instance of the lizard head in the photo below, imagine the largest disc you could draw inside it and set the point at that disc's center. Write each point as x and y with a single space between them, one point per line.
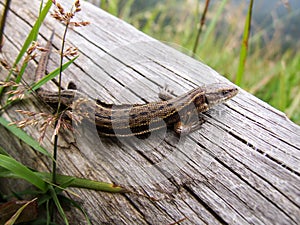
218 93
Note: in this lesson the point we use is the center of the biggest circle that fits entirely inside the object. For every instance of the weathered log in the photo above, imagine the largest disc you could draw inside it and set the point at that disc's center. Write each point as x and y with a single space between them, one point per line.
241 167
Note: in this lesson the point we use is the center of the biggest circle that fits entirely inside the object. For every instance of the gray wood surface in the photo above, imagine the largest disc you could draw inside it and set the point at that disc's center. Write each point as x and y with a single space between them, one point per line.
241 167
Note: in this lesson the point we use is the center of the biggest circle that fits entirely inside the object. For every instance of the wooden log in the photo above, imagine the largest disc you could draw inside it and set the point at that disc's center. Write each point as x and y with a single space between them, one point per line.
241 167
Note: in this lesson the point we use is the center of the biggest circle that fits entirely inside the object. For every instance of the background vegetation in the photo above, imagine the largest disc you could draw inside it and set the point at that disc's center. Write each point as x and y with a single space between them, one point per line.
272 69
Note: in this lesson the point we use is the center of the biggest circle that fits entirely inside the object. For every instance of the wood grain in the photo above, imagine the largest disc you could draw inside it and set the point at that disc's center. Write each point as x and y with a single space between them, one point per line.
241 167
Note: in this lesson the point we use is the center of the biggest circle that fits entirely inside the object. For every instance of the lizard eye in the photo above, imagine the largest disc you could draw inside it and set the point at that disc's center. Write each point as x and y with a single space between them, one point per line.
225 92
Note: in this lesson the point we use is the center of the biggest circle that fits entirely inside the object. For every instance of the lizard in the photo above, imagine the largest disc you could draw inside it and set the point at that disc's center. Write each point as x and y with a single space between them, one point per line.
138 119
128 120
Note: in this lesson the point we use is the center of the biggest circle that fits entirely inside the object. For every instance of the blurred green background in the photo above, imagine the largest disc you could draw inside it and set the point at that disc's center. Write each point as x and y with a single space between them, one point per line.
272 69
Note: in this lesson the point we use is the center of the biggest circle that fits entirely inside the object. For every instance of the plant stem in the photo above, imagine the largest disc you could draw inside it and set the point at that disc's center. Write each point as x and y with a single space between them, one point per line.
54 164
61 67
244 47
202 21
3 19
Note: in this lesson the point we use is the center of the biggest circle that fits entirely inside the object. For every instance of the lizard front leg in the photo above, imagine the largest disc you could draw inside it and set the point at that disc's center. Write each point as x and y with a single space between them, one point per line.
166 94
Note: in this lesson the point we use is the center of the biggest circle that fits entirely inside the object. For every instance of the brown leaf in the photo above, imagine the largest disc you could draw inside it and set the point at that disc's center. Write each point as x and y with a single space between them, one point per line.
8 209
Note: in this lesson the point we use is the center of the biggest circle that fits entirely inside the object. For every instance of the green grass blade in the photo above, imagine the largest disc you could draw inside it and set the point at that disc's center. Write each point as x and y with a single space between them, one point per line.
58 205
110 6
34 31
22 172
3 151
83 183
212 25
65 181
51 75
282 97
24 137
97 185
76 205
48 221
32 36
126 10
294 106
5 173
244 47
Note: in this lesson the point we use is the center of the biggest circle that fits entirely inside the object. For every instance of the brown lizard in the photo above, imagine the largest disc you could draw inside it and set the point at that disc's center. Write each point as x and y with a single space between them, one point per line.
119 120
139 119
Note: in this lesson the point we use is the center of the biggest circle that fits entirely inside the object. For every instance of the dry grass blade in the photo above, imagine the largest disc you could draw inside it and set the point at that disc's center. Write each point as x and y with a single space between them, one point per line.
71 51
43 120
5 64
8 84
16 94
61 15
